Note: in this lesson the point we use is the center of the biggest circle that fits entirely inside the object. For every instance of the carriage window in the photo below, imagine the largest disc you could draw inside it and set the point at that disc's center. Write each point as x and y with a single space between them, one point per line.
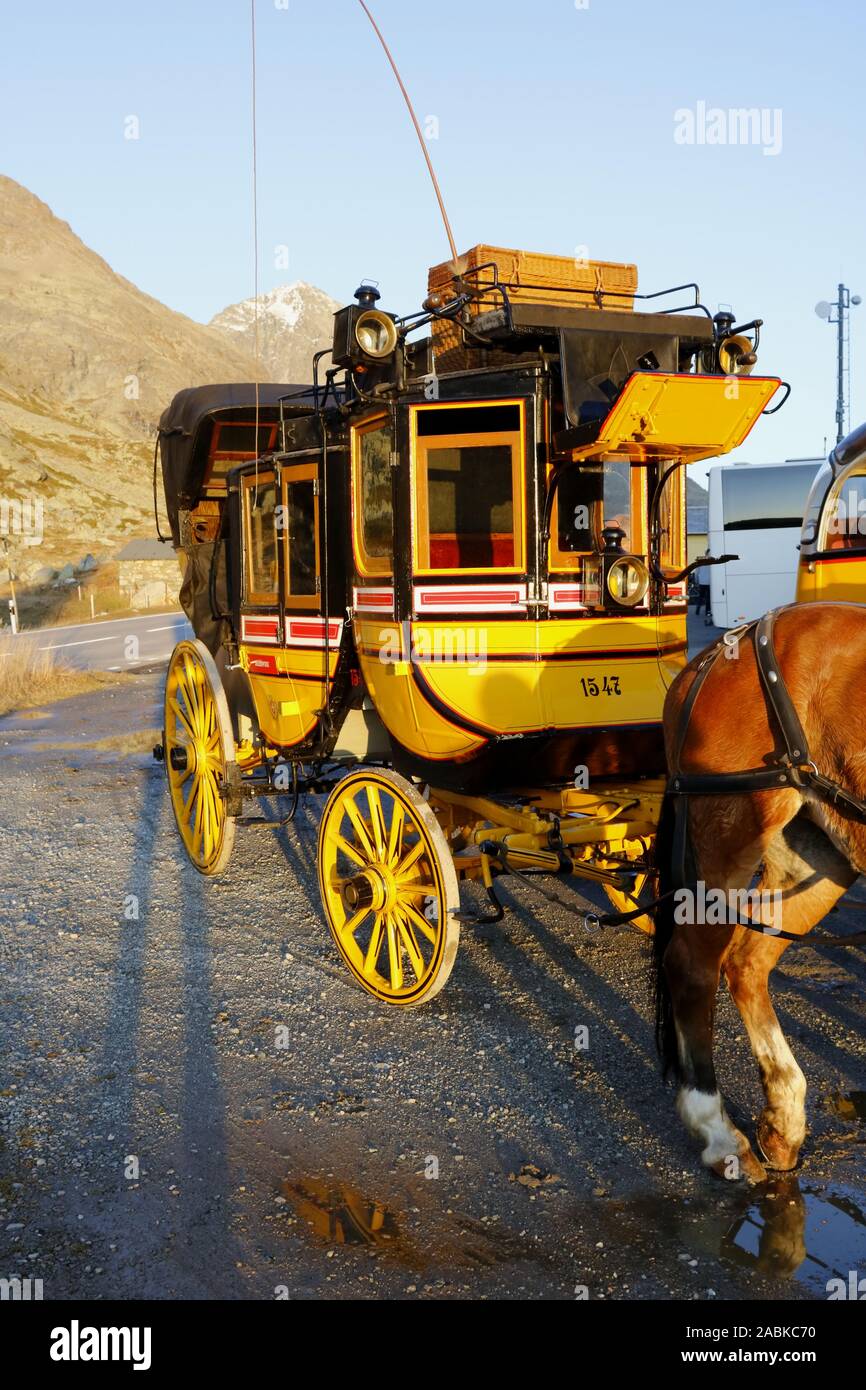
260 504
616 502
671 520
233 443
469 488
576 512
299 525
373 510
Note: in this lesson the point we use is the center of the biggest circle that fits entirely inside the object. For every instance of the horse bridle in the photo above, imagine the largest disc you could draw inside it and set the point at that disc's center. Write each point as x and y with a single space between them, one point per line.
793 767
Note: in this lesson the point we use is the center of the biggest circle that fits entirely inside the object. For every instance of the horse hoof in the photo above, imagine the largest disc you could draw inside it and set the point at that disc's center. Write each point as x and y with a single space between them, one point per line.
742 1167
778 1153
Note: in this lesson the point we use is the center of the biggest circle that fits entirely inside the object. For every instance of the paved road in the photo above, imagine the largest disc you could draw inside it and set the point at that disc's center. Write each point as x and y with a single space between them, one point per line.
120 644
196 1101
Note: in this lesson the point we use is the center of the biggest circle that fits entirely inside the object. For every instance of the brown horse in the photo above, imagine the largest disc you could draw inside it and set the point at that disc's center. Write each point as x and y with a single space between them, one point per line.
790 845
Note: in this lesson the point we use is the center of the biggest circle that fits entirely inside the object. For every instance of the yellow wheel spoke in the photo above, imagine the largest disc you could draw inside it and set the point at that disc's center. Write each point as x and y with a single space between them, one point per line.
181 715
360 829
375 945
351 924
422 890
189 689
410 942
377 820
395 838
395 961
198 826
410 860
342 843
428 928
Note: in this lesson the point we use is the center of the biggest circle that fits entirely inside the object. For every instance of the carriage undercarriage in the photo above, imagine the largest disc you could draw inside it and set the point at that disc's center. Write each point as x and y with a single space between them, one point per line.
392 852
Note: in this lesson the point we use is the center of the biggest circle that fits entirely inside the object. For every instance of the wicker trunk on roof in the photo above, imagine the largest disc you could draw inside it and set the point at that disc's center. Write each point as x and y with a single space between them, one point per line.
530 278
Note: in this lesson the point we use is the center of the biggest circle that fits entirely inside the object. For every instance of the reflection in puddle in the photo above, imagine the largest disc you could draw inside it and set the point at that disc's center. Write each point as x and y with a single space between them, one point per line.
340 1215
809 1234
850 1105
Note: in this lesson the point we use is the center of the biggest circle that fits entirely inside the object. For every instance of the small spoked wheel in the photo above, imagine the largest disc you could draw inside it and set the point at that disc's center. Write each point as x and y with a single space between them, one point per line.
642 889
199 750
389 887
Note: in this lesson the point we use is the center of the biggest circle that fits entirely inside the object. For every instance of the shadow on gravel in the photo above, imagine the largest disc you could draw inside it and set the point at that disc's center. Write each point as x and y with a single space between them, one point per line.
155 1224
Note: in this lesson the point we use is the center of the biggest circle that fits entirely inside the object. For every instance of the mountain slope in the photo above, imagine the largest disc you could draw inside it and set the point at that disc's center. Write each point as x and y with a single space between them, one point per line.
87 365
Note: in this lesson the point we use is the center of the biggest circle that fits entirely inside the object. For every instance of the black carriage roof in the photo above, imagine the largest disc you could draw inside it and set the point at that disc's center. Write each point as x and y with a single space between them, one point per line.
186 424
181 421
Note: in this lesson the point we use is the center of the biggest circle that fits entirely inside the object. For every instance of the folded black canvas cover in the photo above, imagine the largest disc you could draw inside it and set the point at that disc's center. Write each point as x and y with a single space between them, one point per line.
186 427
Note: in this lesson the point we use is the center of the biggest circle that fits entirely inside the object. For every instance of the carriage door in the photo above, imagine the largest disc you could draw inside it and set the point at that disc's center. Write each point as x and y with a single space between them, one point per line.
298 526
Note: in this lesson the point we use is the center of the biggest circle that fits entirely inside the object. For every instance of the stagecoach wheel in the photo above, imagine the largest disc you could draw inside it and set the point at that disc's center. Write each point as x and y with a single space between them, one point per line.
628 901
199 751
389 887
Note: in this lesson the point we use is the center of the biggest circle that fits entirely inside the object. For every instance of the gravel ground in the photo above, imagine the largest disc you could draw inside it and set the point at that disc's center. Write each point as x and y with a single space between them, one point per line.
196 1102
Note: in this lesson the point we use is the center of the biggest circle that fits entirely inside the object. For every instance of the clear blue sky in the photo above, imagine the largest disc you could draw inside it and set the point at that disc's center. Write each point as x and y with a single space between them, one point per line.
556 131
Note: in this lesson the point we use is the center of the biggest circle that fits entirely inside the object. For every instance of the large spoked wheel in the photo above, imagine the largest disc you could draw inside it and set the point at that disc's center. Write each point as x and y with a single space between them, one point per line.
389 887
199 751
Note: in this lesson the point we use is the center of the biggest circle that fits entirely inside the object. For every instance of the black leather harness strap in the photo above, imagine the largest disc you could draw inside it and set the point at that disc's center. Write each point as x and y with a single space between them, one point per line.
793 768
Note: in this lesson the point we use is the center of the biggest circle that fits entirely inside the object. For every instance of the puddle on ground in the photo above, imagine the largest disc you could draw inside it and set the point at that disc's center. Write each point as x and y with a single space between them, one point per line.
808 1234
340 1215
782 1231
850 1105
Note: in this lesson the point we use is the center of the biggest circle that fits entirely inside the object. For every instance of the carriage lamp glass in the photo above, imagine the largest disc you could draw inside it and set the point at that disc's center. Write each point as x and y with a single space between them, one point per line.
375 334
627 581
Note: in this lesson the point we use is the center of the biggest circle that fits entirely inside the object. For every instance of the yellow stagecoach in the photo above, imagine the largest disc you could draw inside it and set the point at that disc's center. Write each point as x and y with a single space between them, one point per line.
445 584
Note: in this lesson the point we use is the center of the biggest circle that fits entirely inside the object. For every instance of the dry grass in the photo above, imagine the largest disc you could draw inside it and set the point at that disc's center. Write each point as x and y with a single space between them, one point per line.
29 677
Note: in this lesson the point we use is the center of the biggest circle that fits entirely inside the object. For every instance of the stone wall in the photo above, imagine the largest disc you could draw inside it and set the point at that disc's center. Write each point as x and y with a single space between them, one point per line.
149 583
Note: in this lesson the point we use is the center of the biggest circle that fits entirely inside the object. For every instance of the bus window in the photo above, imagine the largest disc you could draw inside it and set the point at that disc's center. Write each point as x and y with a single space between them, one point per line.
469 488
260 570
756 499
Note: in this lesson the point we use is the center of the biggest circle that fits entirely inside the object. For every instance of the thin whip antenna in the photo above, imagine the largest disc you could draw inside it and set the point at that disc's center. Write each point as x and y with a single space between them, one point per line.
421 140
255 242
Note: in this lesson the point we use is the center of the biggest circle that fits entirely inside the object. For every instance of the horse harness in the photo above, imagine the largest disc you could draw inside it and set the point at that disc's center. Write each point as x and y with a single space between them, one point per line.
793 767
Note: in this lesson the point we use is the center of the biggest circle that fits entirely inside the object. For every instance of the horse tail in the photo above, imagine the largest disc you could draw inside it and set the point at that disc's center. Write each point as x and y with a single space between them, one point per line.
665 1031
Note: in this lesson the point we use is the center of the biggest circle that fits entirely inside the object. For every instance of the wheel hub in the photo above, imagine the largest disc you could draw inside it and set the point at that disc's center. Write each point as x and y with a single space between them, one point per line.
181 758
374 888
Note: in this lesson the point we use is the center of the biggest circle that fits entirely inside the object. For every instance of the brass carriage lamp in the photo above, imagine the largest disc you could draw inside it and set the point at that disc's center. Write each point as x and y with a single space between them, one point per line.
363 333
625 578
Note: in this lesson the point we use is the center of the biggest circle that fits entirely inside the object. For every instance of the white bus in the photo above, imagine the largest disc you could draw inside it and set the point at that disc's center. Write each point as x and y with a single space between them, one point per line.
756 512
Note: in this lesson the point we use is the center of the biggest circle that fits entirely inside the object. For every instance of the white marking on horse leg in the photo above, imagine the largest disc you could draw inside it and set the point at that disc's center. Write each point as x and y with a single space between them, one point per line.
784 1082
704 1115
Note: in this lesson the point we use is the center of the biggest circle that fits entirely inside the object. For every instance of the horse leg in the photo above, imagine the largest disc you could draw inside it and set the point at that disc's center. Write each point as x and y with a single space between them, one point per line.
810 875
692 964
727 842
